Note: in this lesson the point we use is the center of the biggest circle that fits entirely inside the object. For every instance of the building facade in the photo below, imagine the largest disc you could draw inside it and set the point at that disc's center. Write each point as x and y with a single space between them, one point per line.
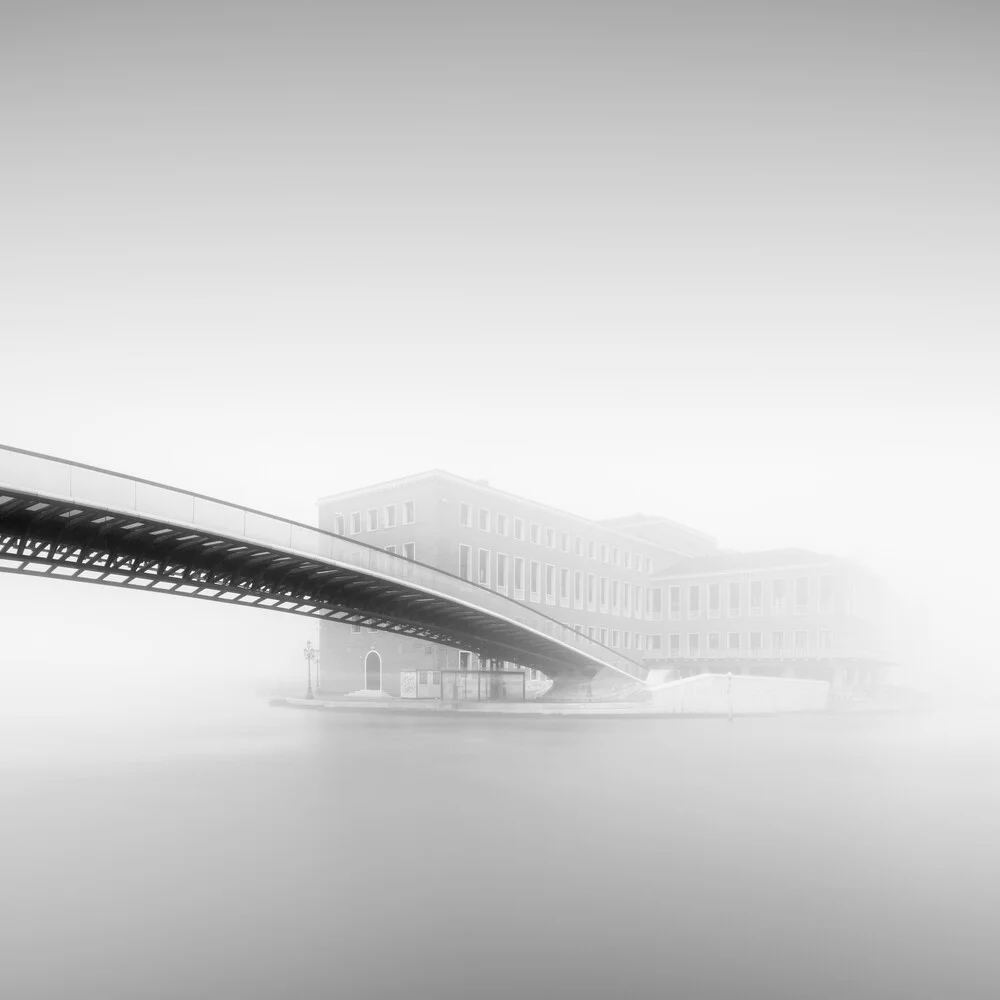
596 577
786 612
655 590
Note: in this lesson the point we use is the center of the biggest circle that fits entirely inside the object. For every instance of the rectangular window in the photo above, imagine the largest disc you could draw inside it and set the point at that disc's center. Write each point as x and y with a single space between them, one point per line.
777 643
734 600
756 598
465 562
519 529
801 595
518 577
733 642
614 596
713 642
338 524
564 541
390 515
616 554
550 582
694 643
591 587
391 549
590 550
614 637
373 519
626 640
714 600
536 580
637 637
694 601
826 592
627 599
465 515
536 535
550 538
654 602
654 641
604 594
577 587
590 631
501 524
801 641
604 636
564 585
628 559
604 552
356 523
756 642
674 649
484 567
501 572
409 512
410 550
675 602
778 597
356 629
637 603
464 658
578 546
825 639
484 519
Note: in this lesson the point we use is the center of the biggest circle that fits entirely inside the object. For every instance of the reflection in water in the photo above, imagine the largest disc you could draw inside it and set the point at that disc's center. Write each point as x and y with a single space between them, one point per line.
267 853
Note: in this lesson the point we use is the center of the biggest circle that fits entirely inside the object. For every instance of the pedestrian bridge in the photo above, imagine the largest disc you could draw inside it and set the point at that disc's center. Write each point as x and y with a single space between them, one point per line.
75 522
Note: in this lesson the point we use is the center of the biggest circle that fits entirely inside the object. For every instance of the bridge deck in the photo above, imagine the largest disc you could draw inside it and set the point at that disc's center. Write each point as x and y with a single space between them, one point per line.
74 521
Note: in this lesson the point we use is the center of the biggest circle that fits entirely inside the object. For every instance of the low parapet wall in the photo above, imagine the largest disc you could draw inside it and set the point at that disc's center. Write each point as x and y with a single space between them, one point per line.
724 694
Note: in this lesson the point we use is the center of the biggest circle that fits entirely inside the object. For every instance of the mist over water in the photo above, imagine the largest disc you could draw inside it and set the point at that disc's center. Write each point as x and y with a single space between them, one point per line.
258 852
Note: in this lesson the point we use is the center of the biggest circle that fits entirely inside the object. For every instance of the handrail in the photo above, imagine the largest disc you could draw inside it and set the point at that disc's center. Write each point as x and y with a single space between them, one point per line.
44 475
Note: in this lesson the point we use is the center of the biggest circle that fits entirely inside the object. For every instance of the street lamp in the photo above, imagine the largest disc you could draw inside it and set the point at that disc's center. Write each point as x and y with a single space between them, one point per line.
311 654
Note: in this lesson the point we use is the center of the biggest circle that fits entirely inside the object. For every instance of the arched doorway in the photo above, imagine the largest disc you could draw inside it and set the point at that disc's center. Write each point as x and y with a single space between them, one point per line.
373 671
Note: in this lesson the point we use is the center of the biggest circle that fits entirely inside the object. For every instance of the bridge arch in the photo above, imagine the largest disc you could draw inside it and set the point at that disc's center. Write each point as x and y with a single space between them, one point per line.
66 520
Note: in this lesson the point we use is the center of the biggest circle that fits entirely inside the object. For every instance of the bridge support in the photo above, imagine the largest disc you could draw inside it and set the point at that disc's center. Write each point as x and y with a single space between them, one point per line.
570 687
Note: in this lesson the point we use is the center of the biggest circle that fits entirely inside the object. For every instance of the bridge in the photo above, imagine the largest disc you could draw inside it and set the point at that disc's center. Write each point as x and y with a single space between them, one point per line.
64 520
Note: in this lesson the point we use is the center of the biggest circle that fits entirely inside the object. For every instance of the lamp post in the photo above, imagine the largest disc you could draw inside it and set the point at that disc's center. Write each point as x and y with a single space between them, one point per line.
310 654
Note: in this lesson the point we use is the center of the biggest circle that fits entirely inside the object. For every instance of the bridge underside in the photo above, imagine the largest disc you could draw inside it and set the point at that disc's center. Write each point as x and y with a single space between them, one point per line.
45 536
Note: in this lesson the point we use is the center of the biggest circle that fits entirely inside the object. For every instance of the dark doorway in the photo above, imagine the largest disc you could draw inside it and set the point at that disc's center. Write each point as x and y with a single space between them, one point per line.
373 672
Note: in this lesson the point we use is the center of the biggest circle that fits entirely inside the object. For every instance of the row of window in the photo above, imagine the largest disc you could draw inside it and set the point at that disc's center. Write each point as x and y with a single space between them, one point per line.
780 592
489 520
376 517
532 580
712 643
618 638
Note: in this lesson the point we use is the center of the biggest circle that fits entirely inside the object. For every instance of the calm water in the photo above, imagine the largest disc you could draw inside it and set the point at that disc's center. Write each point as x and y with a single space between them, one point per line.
274 853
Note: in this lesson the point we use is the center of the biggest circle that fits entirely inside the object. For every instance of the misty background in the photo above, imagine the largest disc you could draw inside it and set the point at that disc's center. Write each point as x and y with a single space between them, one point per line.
734 264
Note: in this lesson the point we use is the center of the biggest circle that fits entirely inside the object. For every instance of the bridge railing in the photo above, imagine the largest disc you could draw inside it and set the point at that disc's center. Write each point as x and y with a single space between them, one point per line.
42 475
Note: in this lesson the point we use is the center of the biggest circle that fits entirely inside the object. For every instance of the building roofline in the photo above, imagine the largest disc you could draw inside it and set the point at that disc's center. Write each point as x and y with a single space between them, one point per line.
462 481
622 523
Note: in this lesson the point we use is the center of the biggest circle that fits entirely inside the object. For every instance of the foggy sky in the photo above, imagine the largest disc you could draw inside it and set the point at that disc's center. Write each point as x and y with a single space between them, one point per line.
733 263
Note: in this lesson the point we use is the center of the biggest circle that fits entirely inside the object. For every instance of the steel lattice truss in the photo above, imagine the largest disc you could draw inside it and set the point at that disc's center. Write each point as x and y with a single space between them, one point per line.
52 538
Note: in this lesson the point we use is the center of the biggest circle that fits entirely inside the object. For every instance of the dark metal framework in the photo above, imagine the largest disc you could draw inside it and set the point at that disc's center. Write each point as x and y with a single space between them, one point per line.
44 536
